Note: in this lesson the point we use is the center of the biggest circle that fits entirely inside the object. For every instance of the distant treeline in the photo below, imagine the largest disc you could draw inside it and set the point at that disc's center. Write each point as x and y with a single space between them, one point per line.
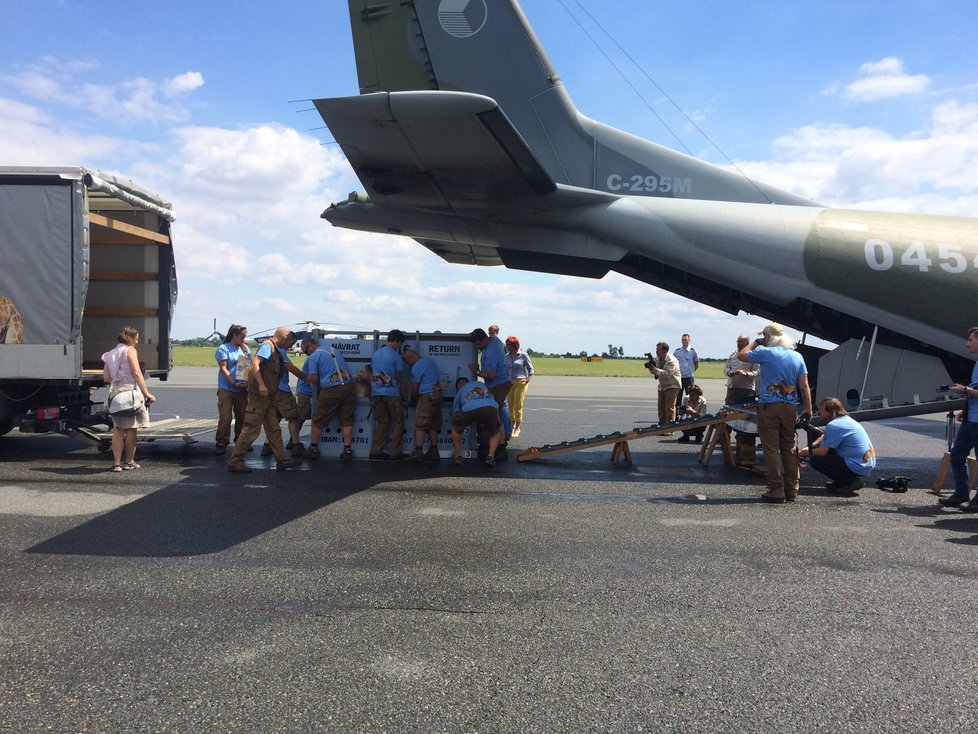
612 353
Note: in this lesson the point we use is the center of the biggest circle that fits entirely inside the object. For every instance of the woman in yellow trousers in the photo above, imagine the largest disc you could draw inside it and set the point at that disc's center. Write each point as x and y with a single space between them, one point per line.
520 372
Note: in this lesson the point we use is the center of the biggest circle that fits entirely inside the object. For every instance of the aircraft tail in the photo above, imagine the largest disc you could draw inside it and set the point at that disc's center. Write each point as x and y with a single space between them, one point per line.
488 47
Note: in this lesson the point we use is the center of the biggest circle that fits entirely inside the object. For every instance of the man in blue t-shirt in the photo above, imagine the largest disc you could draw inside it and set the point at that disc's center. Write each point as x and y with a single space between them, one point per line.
303 395
386 387
689 362
783 379
474 403
844 452
493 367
966 439
426 393
326 371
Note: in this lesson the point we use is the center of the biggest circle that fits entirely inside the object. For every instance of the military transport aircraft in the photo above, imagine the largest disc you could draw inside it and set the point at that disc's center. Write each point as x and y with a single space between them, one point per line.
466 139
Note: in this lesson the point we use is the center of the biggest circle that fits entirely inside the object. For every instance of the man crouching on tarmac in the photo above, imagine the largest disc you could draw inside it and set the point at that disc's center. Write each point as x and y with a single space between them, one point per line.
475 404
844 452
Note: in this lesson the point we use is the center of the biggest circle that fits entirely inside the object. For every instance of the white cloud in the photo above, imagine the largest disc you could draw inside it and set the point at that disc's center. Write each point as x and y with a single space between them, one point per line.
933 169
183 83
884 79
31 136
54 82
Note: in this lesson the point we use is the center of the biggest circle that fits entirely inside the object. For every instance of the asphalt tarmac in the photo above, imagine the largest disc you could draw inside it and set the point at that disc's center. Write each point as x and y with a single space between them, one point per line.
562 595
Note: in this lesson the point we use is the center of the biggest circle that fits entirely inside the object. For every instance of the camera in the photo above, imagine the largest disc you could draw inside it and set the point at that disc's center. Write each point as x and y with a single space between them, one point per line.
650 363
895 484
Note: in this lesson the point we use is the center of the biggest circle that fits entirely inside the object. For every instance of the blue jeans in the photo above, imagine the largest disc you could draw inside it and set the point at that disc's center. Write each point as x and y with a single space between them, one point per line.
965 441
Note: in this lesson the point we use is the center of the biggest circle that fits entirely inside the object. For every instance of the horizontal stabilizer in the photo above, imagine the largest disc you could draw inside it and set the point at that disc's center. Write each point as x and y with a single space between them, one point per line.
438 150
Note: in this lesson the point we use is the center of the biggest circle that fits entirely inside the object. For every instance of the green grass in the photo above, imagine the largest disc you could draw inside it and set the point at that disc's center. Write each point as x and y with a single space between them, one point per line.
204 357
544 366
566 367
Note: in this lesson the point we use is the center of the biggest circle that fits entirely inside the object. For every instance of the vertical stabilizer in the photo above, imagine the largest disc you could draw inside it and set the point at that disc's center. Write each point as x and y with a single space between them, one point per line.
488 47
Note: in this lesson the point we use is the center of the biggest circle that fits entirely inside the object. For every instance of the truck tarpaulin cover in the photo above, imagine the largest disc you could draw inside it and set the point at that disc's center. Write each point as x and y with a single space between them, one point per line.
35 264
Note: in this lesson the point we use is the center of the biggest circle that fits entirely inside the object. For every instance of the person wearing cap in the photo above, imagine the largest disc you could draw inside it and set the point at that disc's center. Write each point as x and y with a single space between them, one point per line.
386 386
493 367
474 403
326 370
520 372
783 380
665 369
843 452
426 392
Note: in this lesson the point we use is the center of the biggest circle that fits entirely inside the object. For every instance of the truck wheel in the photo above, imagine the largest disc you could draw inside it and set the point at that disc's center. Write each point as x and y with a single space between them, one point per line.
104 446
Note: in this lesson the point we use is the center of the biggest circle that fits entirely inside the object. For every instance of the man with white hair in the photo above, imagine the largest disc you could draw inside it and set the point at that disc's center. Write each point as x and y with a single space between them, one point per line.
783 379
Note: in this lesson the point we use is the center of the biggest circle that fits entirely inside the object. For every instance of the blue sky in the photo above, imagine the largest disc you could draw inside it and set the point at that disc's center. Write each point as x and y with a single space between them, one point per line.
858 104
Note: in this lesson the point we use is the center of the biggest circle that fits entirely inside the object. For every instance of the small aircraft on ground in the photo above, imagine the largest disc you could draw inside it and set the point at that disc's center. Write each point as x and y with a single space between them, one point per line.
466 140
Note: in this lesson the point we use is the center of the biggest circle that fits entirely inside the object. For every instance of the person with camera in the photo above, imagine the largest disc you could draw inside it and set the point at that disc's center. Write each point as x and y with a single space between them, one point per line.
784 377
966 438
665 368
843 452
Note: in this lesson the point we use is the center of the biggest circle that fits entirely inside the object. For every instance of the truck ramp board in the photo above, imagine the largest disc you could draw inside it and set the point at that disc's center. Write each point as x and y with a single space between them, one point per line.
169 429
620 439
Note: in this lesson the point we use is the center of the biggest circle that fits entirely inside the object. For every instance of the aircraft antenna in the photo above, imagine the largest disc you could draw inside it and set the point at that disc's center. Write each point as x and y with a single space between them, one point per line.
622 74
659 88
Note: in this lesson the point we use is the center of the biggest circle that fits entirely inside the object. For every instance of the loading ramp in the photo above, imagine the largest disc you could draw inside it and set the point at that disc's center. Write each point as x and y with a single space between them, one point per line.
716 432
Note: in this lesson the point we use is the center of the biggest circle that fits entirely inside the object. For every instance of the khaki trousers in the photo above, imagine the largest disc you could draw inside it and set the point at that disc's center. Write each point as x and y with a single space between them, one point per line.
776 427
388 416
667 404
230 404
261 413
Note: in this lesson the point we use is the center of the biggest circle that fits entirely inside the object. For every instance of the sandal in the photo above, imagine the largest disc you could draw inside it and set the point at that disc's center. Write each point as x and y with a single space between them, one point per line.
131 465
117 467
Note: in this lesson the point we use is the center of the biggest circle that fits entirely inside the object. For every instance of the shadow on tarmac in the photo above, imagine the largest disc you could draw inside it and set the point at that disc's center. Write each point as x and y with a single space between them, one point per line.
190 518
209 511
946 519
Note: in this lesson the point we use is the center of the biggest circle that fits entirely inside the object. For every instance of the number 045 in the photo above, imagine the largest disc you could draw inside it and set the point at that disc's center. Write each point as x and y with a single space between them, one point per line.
879 256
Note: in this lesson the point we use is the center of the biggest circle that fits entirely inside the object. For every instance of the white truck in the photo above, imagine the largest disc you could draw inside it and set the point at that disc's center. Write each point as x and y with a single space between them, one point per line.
81 255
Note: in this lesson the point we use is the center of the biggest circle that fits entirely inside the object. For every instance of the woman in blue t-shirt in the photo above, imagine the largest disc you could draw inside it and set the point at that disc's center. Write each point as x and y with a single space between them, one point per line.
232 386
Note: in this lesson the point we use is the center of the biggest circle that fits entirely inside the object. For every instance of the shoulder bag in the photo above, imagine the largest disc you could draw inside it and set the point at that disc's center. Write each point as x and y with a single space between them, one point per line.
127 402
